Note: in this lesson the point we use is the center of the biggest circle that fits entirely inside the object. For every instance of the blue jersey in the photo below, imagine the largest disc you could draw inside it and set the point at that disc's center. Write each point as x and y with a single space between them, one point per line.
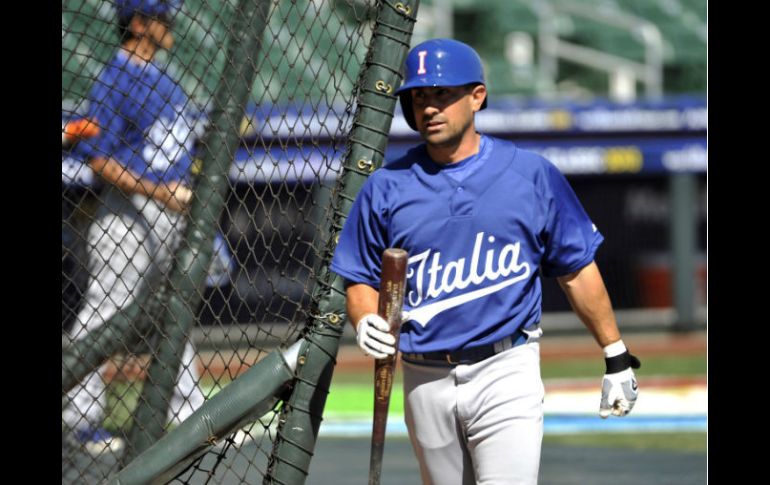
476 246
145 120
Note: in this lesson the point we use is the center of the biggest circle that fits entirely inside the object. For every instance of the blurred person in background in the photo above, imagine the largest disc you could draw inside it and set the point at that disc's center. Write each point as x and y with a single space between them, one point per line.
142 155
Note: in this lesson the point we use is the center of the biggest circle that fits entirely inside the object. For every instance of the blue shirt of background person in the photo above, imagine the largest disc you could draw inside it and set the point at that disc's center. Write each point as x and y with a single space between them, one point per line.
146 121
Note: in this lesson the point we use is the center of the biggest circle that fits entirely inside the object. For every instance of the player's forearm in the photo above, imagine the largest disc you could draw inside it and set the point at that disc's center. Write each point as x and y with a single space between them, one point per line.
361 299
116 174
588 296
129 182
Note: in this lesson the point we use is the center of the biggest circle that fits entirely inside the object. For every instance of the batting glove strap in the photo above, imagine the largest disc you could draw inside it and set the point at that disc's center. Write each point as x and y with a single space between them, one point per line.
621 362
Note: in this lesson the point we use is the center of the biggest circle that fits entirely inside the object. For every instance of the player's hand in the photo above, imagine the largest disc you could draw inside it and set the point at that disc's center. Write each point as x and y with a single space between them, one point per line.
619 386
372 335
619 392
180 197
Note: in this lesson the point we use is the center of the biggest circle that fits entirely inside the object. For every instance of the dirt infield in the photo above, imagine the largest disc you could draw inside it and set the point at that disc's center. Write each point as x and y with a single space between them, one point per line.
350 358
662 343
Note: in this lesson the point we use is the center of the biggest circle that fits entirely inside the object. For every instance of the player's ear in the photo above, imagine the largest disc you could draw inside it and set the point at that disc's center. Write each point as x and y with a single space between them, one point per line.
478 95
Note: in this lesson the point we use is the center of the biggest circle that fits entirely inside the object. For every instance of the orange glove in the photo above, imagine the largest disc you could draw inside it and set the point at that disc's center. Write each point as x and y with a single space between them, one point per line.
79 129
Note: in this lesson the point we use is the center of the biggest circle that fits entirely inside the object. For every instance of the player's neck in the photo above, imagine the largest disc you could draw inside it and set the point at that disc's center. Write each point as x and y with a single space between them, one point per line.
139 50
455 152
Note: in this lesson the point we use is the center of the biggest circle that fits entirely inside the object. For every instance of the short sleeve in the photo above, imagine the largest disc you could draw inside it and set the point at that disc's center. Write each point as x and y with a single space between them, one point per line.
571 238
358 256
105 106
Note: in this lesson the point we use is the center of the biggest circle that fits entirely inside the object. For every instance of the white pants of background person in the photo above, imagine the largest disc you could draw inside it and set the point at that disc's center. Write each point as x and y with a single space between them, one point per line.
479 423
129 239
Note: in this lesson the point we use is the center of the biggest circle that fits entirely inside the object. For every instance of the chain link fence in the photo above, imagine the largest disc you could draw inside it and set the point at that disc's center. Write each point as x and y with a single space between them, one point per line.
200 144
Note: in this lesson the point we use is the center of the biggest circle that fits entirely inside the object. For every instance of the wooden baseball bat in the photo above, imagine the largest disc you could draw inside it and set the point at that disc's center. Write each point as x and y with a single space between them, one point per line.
391 301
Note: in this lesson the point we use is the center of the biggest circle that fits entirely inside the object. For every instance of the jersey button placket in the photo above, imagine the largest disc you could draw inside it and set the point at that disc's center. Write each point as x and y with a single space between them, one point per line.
461 202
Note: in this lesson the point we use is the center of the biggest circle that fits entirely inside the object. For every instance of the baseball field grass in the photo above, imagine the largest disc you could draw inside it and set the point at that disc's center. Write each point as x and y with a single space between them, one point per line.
351 397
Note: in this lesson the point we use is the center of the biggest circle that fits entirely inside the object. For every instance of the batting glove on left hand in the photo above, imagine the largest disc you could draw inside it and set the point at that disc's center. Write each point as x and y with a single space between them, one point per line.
619 386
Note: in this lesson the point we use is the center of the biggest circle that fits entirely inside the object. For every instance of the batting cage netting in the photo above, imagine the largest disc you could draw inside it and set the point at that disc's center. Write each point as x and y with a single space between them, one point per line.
210 152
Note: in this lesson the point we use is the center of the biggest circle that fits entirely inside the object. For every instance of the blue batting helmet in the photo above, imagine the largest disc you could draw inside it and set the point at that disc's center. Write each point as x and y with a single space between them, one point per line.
153 8
439 62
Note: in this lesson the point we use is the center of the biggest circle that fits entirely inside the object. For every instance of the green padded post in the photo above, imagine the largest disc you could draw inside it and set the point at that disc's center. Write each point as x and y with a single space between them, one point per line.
381 76
244 400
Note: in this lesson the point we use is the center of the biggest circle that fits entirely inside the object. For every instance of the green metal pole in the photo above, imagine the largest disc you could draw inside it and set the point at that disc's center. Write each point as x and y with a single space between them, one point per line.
122 330
683 195
187 278
301 416
86 354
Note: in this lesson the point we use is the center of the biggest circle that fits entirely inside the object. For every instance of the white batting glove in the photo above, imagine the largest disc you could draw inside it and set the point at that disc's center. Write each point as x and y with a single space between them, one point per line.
372 335
619 386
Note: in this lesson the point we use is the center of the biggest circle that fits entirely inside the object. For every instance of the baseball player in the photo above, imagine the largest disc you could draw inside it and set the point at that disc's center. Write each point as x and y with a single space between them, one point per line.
142 155
481 220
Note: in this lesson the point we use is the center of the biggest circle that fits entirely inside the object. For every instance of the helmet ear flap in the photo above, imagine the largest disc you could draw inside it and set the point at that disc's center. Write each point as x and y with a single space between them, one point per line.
406 106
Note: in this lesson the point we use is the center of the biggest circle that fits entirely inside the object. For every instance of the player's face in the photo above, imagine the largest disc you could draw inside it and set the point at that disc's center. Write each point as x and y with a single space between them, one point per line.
444 115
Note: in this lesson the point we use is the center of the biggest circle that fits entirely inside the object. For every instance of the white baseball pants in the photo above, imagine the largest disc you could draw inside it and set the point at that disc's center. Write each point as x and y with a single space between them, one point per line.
479 423
129 238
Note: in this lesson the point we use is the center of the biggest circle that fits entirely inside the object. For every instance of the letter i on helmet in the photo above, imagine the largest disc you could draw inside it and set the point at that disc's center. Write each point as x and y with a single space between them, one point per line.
439 62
